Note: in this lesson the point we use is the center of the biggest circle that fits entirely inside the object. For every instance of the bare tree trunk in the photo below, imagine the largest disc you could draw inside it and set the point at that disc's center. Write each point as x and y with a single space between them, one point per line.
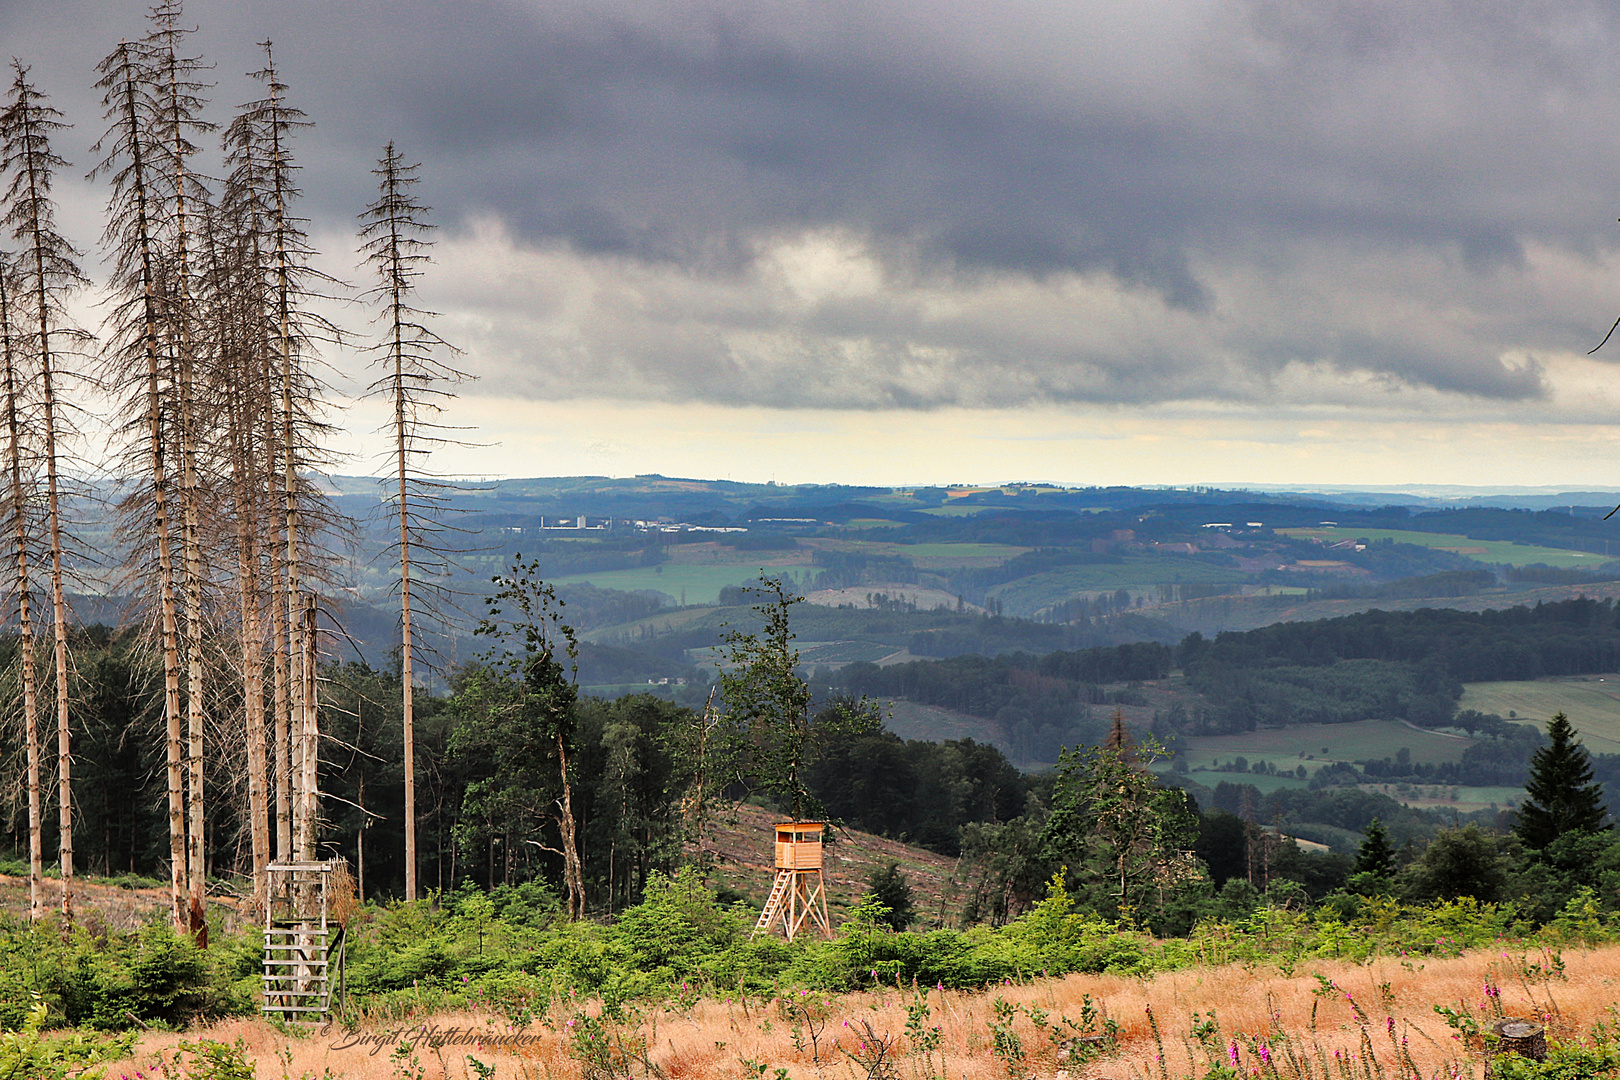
64 737
23 590
50 267
309 743
191 547
393 241
573 870
252 648
132 234
281 675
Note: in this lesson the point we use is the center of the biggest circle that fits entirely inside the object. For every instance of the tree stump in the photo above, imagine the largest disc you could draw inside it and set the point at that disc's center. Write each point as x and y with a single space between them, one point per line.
1525 1038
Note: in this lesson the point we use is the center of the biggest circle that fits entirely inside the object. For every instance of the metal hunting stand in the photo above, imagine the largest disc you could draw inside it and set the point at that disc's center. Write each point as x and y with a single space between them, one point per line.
303 947
800 892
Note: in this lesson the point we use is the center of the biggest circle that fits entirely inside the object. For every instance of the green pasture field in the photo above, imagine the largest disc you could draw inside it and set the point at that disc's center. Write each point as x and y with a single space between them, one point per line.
1592 703
1038 591
702 583
1265 782
1469 799
1490 551
1364 740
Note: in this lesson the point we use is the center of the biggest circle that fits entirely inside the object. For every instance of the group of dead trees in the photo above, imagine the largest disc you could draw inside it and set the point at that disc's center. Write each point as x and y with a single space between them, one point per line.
210 355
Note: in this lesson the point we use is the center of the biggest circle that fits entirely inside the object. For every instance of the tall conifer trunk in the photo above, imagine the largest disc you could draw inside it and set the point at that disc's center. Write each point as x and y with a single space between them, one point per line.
413 378
12 402
48 266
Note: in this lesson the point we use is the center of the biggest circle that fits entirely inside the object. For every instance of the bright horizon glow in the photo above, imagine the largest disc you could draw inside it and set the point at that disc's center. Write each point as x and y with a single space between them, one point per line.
1069 446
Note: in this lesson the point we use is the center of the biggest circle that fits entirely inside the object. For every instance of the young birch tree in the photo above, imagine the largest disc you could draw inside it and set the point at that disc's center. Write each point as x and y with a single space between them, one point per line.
523 698
414 380
48 272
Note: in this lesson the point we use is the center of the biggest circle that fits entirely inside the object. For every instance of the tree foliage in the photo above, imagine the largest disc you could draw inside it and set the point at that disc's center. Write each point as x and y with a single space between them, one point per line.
1131 838
519 706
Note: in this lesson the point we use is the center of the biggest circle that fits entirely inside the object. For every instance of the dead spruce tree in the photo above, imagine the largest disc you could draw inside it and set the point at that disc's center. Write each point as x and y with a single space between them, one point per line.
18 415
235 314
139 368
154 363
415 380
263 178
176 117
47 273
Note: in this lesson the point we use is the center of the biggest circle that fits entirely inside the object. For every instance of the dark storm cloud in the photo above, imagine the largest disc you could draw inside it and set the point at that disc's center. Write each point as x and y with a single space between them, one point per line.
1165 147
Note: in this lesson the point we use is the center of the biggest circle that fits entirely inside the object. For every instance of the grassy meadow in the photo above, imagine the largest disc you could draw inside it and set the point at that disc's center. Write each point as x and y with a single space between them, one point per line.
1592 703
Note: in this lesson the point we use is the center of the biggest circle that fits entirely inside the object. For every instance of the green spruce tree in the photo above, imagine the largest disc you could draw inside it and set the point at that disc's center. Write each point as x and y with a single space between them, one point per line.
1560 795
1375 856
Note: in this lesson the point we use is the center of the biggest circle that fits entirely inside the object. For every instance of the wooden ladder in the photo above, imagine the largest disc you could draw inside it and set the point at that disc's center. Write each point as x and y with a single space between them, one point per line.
779 895
297 973
303 948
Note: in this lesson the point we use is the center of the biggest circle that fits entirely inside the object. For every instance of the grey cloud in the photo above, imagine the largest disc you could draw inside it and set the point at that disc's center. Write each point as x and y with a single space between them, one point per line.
1154 143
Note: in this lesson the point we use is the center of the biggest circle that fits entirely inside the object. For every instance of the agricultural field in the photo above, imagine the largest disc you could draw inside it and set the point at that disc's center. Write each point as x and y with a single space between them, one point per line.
1488 551
838 653
690 583
1441 796
928 556
911 720
1264 782
1592 703
858 596
1314 745
1134 573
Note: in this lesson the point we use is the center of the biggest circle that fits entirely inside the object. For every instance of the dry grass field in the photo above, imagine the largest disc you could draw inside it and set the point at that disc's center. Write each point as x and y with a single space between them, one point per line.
1324 1012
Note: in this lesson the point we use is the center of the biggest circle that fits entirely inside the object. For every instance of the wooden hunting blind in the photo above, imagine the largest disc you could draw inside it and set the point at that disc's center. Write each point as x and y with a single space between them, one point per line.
303 944
799 894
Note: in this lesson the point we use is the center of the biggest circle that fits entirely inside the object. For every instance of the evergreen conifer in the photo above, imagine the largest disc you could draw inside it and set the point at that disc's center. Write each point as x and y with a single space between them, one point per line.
1560 795
1375 856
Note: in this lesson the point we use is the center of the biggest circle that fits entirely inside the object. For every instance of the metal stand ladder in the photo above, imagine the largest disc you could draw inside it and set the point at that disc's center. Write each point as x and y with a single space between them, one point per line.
303 948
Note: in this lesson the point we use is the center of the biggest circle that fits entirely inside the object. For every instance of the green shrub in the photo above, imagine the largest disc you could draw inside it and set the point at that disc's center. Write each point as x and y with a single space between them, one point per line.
26 1054
1563 1063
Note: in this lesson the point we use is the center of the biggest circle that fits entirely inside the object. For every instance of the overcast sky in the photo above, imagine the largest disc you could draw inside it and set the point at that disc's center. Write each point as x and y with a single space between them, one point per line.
906 242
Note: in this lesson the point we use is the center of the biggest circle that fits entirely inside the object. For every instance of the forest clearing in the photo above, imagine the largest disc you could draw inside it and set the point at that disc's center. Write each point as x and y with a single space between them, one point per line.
1336 1018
